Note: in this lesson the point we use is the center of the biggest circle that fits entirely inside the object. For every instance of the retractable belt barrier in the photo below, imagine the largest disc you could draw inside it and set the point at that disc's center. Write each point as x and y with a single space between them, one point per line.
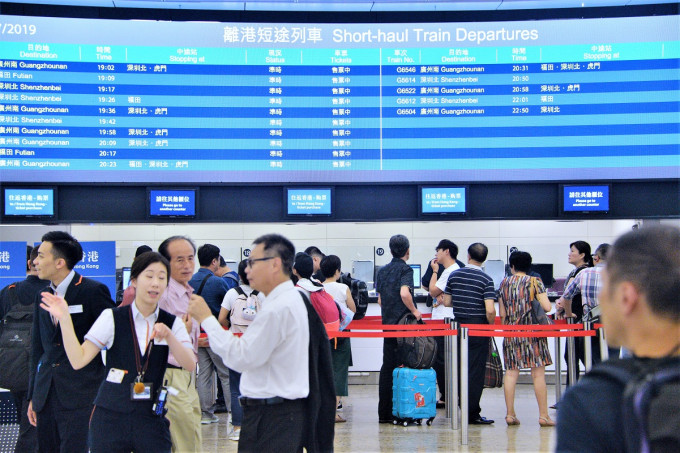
559 329
372 327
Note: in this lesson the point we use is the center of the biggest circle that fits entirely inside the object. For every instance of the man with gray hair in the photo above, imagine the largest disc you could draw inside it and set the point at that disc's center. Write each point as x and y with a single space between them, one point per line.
394 285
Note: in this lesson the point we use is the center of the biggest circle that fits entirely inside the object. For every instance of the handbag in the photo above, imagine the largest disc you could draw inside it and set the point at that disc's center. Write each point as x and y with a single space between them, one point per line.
346 316
493 376
538 314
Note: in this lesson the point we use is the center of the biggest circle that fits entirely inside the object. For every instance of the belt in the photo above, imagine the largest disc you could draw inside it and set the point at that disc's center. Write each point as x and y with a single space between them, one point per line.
245 401
174 367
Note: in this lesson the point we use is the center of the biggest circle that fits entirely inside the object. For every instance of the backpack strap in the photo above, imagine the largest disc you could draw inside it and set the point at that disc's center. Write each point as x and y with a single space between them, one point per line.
200 288
240 291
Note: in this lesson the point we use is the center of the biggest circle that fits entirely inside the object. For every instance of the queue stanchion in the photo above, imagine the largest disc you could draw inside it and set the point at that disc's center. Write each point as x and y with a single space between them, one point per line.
571 356
452 397
448 366
604 349
587 347
464 338
558 369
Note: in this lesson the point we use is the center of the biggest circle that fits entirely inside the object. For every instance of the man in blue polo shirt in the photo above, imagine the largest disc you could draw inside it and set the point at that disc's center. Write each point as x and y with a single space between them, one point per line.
471 293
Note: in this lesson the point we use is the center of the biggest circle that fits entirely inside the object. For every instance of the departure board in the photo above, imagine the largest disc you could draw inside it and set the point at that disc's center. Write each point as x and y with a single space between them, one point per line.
88 100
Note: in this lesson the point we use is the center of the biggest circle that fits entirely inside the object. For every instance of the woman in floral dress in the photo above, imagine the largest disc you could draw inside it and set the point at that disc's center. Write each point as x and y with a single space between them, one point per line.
514 301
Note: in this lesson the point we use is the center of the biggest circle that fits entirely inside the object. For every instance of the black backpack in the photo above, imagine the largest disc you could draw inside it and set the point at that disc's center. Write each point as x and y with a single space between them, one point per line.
416 352
651 402
15 344
359 292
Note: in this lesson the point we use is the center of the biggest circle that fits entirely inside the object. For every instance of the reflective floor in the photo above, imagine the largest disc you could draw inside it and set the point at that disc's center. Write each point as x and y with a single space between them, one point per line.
363 433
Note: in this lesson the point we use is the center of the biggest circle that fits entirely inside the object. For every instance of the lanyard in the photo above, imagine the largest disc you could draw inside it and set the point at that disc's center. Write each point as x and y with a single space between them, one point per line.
141 369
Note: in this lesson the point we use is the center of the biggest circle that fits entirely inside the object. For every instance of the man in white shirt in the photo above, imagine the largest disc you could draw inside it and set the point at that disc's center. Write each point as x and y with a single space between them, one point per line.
272 355
446 254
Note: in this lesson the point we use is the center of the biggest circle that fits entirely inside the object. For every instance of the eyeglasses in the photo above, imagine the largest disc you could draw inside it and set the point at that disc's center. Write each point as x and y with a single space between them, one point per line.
251 261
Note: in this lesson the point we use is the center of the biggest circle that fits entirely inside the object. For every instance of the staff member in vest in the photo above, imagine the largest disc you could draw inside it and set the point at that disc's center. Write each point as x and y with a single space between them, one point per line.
60 398
137 339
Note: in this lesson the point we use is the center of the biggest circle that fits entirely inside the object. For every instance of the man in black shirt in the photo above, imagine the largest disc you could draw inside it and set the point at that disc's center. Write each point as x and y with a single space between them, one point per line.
640 311
23 292
394 286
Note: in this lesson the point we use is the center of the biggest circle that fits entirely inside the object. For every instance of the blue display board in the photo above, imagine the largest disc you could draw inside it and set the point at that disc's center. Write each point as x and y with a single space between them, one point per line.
309 201
187 102
174 203
29 202
12 262
585 198
443 200
99 263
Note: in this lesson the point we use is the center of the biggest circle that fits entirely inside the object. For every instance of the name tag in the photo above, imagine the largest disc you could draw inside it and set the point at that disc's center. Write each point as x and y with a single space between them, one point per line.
73 309
115 375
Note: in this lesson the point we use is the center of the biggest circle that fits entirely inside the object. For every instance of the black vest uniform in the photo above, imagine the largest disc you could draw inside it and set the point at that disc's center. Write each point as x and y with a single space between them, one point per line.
118 423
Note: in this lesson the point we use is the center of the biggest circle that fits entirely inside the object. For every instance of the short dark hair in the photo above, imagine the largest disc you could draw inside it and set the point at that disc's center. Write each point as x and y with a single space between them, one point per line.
282 247
649 258
602 251
145 260
521 261
163 248
399 245
304 265
64 246
445 244
479 252
207 253
33 255
29 250
584 247
330 265
313 250
142 249
242 271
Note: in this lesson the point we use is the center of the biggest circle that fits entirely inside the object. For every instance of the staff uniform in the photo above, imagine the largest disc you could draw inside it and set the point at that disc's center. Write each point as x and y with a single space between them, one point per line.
61 396
118 423
272 357
184 409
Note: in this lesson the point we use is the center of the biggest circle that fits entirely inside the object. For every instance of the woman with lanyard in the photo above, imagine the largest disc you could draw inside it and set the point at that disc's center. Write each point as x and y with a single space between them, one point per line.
129 408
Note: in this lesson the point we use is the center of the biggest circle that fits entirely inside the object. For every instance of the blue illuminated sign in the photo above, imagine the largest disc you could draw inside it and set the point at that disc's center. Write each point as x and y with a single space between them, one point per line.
172 203
443 200
99 263
309 201
29 202
586 198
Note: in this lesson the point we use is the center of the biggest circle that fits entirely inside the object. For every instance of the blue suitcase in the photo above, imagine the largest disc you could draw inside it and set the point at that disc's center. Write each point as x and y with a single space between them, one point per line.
414 395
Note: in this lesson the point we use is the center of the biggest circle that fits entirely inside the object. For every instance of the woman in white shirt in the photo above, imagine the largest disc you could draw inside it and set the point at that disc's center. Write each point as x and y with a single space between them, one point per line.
342 352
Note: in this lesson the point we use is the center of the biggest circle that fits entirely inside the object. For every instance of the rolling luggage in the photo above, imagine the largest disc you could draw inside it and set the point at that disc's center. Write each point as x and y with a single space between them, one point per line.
414 395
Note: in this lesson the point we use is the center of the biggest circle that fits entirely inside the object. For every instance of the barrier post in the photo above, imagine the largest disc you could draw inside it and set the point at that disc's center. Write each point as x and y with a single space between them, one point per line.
464 383
453 396
448 367
604 350
588 346
571 356
558 369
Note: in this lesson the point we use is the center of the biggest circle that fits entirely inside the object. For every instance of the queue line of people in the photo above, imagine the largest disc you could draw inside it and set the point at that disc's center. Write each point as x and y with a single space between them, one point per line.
156 350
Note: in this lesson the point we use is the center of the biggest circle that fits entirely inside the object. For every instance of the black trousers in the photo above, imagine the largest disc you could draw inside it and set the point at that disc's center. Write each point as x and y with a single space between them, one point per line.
112 432
478 352
278 427
438 367
28 438
61 429
391 360
579 346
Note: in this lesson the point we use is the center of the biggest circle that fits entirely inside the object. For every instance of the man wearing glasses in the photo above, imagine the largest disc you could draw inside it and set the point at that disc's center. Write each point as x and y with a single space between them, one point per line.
283 393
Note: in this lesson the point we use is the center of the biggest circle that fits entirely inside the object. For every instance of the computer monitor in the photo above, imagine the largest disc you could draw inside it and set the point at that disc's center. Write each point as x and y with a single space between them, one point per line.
416 275
546 272
126 277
